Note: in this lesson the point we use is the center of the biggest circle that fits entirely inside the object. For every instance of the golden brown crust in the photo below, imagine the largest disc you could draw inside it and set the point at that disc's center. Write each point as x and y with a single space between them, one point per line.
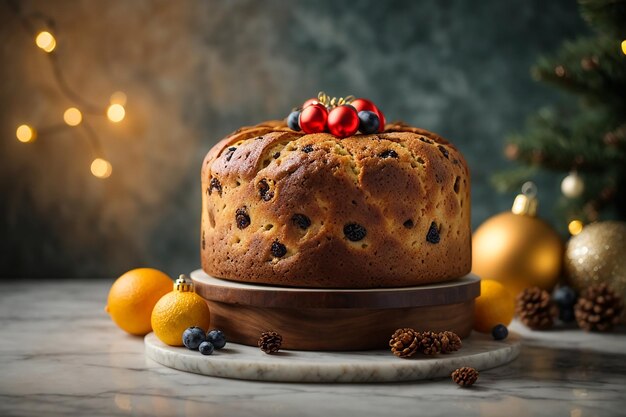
406 189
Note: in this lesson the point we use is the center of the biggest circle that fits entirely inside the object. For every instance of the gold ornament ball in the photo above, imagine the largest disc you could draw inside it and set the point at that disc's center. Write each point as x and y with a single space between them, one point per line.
519 250
596 255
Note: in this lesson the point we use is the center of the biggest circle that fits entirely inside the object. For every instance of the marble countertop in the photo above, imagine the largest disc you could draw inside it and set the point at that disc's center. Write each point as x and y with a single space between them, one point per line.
61 355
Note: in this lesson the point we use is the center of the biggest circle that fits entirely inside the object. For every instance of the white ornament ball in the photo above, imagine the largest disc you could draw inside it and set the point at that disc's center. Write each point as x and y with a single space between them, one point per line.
572 186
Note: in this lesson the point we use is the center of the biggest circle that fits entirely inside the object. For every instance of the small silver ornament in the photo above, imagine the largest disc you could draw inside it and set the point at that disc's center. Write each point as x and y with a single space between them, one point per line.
573 185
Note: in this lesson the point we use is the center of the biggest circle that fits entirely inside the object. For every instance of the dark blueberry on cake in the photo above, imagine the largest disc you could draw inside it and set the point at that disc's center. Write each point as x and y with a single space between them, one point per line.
293 120
433 234
230 153
242 218
278 249
408 224
264 190
369 122
354 231
426 140
307 149
300 220
215 185
388 154
443 150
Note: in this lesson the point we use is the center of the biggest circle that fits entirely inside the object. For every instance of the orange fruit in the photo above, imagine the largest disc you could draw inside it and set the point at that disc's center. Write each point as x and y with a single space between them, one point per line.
495 305
133 296
175 312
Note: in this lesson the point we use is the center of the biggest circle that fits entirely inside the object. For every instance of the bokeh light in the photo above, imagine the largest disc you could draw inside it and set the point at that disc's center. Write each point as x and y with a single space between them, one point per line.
101 168
25 133
624 46
116 113
72 116
575 227
46 41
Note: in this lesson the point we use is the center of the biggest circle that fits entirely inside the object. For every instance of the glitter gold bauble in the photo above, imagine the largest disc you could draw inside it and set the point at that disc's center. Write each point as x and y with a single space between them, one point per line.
596 255
518 249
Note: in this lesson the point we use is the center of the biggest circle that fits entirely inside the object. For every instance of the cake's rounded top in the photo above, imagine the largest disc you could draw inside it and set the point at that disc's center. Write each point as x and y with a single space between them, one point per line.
282 135
313 210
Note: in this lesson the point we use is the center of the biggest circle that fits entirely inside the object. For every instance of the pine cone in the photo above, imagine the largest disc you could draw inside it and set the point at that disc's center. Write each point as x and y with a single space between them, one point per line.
404 342
535 308
270 342
450 341
599 308
429 343
465 376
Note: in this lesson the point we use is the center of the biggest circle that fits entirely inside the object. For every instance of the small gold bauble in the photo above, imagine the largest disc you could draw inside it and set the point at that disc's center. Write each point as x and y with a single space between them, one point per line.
596 255
518 249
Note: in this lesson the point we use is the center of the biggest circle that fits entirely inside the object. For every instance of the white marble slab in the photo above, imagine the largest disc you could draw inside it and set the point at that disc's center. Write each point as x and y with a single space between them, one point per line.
247 362
60 355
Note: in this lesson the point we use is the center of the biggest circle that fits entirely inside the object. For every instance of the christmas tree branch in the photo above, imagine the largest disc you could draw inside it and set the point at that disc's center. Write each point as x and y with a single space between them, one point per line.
562 141
606 16
588 136
594 67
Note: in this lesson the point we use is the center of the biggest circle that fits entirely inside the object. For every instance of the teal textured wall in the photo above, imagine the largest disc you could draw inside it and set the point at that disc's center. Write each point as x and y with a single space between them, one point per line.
194 71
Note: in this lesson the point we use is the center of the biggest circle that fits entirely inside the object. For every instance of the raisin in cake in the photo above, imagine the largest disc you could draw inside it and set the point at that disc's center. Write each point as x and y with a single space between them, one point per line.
311 210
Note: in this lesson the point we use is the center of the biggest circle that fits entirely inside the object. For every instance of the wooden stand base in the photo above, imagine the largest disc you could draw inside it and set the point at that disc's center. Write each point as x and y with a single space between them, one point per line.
336 320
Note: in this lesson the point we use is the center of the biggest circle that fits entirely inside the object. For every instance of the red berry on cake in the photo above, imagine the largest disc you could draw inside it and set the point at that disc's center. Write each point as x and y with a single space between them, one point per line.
313 118
343 121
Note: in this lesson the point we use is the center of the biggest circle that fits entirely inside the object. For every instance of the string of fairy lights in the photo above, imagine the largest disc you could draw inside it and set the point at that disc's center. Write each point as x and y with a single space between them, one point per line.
77 116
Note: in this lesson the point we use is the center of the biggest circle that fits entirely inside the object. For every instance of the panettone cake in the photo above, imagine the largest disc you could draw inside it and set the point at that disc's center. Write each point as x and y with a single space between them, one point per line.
335 208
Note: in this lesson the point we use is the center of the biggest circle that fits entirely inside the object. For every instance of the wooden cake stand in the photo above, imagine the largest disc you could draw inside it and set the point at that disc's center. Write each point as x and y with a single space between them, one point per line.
336 319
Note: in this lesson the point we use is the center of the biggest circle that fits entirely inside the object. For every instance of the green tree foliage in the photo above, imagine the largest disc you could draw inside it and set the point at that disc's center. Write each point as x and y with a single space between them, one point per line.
588 135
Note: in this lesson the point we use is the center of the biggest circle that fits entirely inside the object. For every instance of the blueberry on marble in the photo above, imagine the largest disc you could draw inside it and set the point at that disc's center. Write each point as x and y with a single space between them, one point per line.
293 120
368 122
499 332
206 348
566 314
192 337
216 338
565 296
